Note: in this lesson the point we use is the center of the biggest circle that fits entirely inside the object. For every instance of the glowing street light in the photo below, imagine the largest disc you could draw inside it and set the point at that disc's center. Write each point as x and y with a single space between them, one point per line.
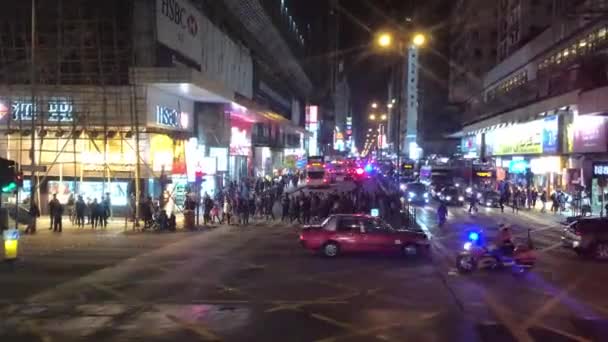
374 105
419 39
390 105
372 117
383 117
385 40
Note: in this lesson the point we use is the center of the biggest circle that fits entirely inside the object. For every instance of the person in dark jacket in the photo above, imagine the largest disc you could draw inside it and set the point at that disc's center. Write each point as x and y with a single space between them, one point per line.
81 207
285 207
34 214
56 210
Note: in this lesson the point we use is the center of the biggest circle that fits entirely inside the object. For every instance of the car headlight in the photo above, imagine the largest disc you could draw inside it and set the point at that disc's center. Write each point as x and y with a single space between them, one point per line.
489 203
402 187
448 198
461 199
478 195
467 246
469 190
411 194
426 195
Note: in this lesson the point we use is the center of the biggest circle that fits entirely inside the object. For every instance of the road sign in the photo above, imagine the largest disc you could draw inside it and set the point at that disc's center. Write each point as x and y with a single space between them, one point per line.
34 168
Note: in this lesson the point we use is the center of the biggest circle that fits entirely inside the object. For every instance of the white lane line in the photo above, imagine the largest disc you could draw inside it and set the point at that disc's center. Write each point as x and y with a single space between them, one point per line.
554 246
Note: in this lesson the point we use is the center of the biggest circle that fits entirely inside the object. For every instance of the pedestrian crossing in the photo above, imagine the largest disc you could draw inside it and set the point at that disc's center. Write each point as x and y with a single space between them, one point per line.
545 233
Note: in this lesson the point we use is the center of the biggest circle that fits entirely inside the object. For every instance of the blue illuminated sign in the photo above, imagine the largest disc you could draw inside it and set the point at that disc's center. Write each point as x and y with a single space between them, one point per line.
550 130
518 166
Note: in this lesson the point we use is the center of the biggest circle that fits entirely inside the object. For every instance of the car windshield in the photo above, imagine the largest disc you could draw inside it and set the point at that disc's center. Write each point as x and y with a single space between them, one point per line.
416 187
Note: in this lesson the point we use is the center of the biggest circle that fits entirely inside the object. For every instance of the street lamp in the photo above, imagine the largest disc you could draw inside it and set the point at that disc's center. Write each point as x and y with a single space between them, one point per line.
385 39
383 117
390 105
374 105
419 39
372 117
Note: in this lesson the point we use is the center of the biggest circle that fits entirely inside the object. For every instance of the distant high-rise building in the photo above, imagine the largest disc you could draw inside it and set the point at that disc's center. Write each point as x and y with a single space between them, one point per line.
473 34
519 21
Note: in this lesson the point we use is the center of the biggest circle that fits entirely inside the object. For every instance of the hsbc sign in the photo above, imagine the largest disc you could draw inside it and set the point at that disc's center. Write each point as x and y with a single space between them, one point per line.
178 26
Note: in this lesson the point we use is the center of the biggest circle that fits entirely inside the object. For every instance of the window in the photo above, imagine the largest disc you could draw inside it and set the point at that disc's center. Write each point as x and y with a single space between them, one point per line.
376 226
330 224
348 224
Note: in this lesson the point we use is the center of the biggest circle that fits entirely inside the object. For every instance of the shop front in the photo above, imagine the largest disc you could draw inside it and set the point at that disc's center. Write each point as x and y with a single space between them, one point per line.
240 163
527 154
599 187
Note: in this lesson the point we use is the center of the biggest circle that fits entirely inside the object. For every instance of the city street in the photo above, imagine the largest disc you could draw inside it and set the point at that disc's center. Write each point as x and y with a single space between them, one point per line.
255 283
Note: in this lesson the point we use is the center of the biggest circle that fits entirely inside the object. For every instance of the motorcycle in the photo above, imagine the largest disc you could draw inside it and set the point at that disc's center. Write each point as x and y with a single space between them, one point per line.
477 255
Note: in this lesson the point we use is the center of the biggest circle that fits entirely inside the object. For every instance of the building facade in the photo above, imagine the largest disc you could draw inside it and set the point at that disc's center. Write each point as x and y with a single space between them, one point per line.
472 46
540 117
136 96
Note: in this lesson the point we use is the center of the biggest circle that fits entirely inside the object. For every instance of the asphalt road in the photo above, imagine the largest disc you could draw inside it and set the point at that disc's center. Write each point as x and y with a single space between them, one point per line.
256 284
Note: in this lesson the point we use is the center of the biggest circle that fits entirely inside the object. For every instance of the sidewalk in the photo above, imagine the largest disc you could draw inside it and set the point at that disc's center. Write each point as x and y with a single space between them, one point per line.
547 217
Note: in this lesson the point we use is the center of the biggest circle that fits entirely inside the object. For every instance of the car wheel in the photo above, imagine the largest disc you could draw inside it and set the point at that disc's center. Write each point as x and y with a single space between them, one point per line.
410 250
331 250
601 251
465 263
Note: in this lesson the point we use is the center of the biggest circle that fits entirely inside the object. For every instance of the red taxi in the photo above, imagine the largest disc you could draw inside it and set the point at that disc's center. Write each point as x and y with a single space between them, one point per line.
361 233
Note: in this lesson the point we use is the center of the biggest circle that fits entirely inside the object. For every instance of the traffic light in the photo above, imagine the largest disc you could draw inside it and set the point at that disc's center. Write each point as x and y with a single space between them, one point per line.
198 177
8 172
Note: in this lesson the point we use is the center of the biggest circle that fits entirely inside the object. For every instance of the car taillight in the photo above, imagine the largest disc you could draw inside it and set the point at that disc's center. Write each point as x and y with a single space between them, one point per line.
325 180
307 179
301 236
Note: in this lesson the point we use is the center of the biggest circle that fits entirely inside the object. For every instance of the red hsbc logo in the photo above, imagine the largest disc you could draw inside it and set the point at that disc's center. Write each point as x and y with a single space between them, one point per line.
178 14
192 25
3 110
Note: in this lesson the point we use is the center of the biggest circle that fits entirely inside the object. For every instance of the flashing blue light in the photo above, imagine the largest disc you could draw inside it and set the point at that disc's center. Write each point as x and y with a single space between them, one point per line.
368 168
473 236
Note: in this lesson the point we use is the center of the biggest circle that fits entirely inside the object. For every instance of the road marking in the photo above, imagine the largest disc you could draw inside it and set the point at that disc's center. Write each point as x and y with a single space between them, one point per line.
563 333
554 246
332 321
551 303
298 306
503 315
198 329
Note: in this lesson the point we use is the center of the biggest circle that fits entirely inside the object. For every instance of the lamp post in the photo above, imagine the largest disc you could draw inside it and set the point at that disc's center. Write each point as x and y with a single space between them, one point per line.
407 46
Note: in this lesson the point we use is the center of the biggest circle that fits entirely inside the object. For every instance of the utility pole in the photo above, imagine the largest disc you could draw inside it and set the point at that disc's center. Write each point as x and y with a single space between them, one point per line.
34 111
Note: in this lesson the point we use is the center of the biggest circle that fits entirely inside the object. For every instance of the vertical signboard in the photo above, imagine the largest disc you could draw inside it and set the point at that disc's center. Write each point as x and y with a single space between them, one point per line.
178 28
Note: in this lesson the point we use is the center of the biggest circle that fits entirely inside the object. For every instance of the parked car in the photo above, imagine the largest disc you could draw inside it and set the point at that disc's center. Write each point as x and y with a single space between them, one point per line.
361 233
588 237
451 195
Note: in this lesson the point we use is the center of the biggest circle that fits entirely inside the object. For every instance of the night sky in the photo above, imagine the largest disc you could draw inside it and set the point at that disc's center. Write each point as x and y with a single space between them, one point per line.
368 69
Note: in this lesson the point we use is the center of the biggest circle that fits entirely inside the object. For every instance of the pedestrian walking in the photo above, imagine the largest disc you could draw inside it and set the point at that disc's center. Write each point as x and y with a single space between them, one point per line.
227 210
94 209
34 214
215 214
543 200
56 210
534 197
285 208
80 208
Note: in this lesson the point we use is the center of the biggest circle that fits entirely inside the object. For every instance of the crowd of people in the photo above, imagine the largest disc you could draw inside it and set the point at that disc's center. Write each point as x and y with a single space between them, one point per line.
240 203
526 197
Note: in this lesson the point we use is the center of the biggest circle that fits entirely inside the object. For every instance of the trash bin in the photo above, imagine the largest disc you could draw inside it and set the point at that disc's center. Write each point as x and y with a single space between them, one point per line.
11 242
189 219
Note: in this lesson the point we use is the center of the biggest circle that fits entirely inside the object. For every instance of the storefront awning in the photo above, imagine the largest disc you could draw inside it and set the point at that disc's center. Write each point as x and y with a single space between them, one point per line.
184 82
525 113
256 113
